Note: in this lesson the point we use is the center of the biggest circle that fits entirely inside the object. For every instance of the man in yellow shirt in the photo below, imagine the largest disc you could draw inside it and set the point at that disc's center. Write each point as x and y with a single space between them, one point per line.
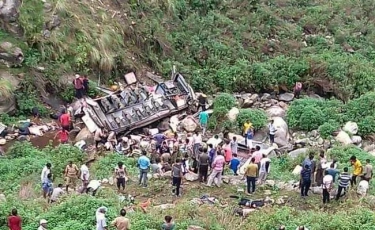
357 170
251 175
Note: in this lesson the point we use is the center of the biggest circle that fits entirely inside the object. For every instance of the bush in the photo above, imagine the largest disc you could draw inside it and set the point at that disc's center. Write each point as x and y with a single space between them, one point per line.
343 154
222 104
311 119
327 129
224 100
366 126
257 117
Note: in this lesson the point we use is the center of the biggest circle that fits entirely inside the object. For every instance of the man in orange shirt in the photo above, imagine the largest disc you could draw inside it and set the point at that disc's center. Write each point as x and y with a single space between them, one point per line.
65 120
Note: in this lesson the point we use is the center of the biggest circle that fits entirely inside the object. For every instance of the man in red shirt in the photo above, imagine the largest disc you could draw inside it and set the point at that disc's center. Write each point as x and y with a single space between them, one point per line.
65 120
14 221
63 136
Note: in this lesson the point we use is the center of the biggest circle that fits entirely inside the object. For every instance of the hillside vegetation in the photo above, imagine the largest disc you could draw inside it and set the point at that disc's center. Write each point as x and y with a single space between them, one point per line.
227 46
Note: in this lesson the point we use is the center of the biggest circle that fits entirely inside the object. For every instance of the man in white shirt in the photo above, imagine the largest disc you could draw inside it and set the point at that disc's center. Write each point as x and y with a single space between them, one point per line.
272 131
43 177
101 223
197 143
327 186
264 168
93 186
85 176
57 192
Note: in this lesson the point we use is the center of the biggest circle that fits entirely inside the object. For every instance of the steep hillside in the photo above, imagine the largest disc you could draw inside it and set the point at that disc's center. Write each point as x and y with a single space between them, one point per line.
227 45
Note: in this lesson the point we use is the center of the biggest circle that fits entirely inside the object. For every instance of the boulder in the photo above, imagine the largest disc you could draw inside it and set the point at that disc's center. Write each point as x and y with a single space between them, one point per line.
85 135
247 103
356 139
3 141
351 127
344 138
265 97
232 114
189 124
286 97
163 126
275 111
9 11
282 133
297 170
191 176
297 152
11 54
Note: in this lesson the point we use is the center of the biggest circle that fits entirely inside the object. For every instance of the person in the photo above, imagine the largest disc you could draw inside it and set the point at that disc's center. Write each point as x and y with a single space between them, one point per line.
78 86
203 120
121 222
63 135
246 126
234 164
168 224
332 171
101 222
234 145
57 192
217 169
251 174
197 143
85 83
165 157
71 174
99 137
301 228
159 138
156 166
305 180
211 153
357 170
144 166
367 174
65 120
249 139
297 89
312 165
177 177
203 163
35 112
272 131
319 170
327 186
344 179
42 224
93 186
120 174
44 178
228 152
264 168
85 176
14 221
202 101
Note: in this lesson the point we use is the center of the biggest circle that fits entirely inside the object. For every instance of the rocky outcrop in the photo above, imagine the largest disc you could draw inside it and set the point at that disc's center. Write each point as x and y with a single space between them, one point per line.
276 111
189 124
232 114
10 54
351 128
85 135
282 133
9 15
344 138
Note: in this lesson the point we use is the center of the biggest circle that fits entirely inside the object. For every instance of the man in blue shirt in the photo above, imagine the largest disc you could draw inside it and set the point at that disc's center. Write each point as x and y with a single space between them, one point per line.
159 138
144 167
203 120
234 164
305 180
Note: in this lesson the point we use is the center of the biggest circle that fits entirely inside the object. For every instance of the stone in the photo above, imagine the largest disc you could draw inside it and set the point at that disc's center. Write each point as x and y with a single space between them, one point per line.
270 183
247 103
233 113
105 181
269 200
317 190
286 97
23 138
191 176
351 127
280 200
3 141
9 12
11 54
369 148
2 198
275 111
320 141
194 227
362 188
283 105
265 97
356 139
297 152
189 124
282 133
54 22
343 138
254 97
297 170
85 135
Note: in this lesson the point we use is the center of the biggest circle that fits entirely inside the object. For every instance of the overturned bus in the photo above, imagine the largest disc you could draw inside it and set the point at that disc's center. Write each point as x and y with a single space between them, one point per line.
135 106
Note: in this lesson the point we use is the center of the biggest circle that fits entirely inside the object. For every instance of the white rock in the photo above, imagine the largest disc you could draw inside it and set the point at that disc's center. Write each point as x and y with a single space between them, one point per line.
2 198
286 97
362 188
275 111
356 139
297 152
232 114
344 138
189 124
351 127
174 122
191 176
3 141
105 181
84 135
194 227
297 170
282 133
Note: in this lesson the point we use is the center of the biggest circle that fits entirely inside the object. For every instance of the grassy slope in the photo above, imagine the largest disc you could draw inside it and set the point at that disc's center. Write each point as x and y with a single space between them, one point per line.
77 212
227 45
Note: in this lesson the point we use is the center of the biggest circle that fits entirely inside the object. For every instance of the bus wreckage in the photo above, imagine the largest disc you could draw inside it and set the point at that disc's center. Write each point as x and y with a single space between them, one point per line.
136 106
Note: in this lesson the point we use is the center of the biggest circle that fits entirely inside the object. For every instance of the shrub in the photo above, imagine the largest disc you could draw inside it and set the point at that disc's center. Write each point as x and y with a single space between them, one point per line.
343 154
311 118
327 129
257 117
224 100
222 104
366 126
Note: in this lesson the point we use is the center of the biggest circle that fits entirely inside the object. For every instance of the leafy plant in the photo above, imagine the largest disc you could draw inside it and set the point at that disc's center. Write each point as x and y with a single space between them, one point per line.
326 130
256 116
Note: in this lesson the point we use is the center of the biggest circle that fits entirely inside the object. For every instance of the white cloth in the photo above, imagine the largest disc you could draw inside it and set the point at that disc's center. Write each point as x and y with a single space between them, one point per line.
57 192
45 172
272 129
85 172
363 187
94 184
101 222
197 139
327 182
263 162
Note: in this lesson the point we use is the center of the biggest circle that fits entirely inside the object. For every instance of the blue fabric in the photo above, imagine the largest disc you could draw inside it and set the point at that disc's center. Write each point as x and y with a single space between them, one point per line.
234 163
249 134
306 174
203 117
144 162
